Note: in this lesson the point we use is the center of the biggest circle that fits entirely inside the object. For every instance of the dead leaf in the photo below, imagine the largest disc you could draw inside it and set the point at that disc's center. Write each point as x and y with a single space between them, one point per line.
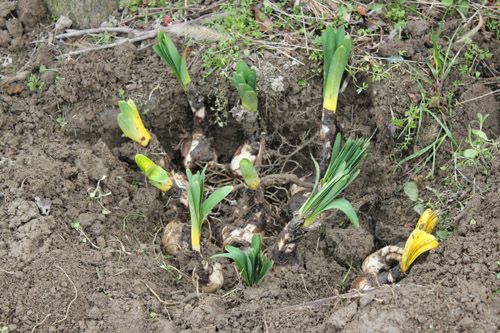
14 90
362 10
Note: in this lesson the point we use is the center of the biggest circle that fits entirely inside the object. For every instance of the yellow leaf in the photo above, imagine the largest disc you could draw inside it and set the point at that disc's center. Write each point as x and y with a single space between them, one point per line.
428 221
130 123
418 243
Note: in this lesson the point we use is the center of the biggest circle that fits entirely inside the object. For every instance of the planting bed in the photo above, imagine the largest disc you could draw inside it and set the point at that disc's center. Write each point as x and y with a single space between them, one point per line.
113 277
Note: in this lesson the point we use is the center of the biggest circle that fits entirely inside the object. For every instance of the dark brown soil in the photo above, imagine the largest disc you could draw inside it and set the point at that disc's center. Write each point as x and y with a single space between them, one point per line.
53 279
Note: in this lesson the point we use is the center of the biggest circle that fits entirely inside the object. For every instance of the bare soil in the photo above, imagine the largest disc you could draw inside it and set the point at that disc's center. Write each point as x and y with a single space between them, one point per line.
53 279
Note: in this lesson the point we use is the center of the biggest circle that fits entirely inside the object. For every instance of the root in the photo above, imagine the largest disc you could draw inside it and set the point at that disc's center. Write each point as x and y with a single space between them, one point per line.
40 323
71 302
158 297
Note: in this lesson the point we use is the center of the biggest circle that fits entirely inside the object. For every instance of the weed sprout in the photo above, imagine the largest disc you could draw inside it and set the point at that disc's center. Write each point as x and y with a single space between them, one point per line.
252 265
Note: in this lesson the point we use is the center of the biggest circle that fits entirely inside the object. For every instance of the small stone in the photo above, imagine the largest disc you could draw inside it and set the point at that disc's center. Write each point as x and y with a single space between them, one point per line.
63 23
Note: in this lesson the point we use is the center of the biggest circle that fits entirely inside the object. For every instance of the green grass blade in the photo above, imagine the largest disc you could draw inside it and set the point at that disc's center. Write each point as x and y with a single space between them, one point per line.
443 126
212 201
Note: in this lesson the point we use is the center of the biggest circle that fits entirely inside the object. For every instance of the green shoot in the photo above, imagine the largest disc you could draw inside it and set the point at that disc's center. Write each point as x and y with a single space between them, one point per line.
198 207
249 173
168 52
156 175
245 81
342 170
336 51
253 265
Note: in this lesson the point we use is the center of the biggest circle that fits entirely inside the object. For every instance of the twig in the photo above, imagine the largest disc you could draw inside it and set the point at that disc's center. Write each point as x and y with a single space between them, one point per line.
479 97
279 179
146 35
138 35
78 33
122 246
472 32
158 297
72 301
40 323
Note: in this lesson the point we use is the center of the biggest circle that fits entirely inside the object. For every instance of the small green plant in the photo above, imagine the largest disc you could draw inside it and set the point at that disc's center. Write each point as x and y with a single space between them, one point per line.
342 169
121 94
397 13
253 265
4 328
409 125
245 81
480 145
156 175
413 122
249 173
167 51
493 26
442 60
61 121
199 208
130 123
84 238
473 56
336 51
34 83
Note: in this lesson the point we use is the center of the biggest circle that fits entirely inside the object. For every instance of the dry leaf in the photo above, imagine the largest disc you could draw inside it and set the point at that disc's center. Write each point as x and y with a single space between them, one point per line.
14 90
362 11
